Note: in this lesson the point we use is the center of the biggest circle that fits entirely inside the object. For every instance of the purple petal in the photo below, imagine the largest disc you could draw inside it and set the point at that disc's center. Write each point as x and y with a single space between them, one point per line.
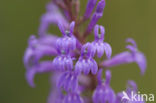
96 31
100 50
72 25
108 50
99 35
132 86
27 56
130 40
108 77
102 30
55 95
78 67
42 67
30 77
49 39
73 98
94 67
131 48
62 29
53 16
122 58
103 94
141 61
99 76
45 67
86 66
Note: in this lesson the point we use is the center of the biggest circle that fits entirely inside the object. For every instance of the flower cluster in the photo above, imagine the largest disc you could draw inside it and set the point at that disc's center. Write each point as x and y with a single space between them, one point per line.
76 74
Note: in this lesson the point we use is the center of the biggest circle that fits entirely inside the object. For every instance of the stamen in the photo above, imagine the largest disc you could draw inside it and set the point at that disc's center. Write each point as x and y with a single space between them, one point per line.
67 33
62 51
99 36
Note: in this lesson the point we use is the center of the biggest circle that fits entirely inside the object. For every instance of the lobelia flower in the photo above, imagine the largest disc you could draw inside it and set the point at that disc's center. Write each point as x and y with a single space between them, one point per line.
55 95
64 45
103 92
97 15
38 48
99 47
63 61
125 96
69 81
52 16
128 57
73 98
68 40
86 63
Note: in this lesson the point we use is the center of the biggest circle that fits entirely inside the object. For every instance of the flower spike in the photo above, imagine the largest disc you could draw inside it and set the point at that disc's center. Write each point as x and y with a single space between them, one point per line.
74 64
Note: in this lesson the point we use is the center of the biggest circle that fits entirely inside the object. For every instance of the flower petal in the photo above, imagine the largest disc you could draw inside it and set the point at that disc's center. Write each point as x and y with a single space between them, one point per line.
30 77
108 50
141 61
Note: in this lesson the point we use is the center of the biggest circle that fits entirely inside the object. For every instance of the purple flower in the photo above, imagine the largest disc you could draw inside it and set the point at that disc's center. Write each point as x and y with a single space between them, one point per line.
68 40
69 81
52 16
128 57
90 6
63 61
126 96
56 95
42 67
64 45
86 63
103 92
97 15
73 98
74 65
99 46
37 48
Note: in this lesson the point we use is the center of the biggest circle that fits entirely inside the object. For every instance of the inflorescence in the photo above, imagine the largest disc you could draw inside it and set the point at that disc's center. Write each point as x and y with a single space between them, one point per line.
76 74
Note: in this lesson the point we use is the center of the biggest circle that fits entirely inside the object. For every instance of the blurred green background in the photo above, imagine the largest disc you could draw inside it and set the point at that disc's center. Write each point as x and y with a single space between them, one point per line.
122 19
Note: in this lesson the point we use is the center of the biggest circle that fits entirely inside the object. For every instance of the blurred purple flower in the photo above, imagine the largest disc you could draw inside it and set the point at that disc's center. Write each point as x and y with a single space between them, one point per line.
52 16
103 92
128 57
125 97
73 98
55 95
